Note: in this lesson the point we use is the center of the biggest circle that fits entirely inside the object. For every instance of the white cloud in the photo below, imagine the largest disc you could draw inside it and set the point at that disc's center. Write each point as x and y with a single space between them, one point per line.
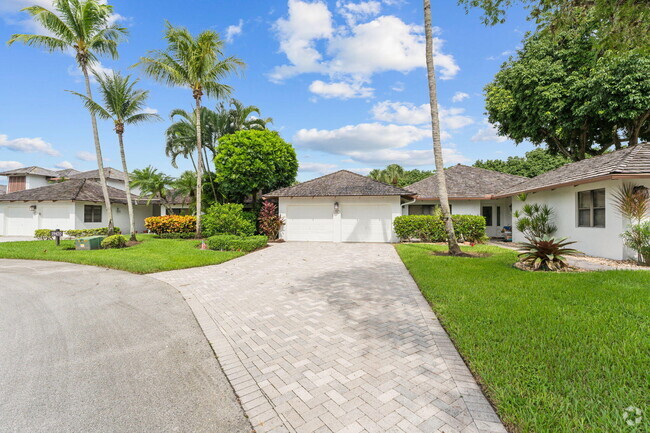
85 156
234 30
64 165
398 87
27 145
149 110
10 165
355 11
488 133
407 113
317 167
407 157
340 90
459 96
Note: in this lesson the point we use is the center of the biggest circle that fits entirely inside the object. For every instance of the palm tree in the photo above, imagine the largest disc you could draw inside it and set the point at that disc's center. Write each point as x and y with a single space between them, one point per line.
81 26
240 117
123 104
185 186
196 63
393 173
454 249
152 183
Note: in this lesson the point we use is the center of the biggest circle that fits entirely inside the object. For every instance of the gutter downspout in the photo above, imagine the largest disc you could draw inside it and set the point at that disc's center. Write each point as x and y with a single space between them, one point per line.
409 202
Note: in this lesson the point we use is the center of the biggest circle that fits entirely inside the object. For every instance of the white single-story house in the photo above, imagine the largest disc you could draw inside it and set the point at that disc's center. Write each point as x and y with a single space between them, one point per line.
77 203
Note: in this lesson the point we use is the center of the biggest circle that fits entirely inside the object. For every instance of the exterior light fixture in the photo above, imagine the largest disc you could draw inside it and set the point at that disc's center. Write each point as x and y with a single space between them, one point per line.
32 208
336 207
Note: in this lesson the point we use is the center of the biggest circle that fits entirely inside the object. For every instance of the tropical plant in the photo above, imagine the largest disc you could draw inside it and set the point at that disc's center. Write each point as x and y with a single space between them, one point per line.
454 249
637 237
83 27
270 221
228 218
152 183
124 105
534 221
114 241
546 253
197 63
240 117
171 224
633 203
185 186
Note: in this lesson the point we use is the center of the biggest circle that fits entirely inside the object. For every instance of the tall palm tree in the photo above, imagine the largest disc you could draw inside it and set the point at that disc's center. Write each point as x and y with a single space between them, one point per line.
393 173
81 26
123 104
240 117
197 63
454 249
152 183
185 186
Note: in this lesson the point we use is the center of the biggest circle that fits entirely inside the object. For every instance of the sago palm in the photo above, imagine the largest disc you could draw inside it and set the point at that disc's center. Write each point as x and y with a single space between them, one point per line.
197 63
454 249
83 27
124 105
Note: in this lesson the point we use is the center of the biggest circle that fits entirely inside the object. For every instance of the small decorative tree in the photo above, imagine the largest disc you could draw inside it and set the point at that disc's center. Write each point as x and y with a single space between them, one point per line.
270 221
534 221
633 203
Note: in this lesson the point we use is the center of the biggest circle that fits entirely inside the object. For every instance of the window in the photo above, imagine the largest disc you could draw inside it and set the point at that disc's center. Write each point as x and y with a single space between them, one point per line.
92 214
486 212
591 208
425 209
16 183
498 216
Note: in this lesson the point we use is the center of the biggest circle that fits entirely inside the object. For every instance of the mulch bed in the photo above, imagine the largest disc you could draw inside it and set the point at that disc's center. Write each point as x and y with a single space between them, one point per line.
524 267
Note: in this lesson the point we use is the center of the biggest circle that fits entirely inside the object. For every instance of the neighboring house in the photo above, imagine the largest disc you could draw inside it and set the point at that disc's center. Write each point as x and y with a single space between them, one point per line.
3 189
67 172
471 192
581 195
23 178
114 178
340 207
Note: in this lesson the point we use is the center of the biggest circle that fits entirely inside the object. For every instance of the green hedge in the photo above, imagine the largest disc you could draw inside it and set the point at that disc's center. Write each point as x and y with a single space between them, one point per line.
190 235
43 234
431 228
115 241
103 231
236 243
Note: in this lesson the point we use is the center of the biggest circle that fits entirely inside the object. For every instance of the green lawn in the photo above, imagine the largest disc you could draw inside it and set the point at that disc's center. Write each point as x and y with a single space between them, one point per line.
554 352
152 255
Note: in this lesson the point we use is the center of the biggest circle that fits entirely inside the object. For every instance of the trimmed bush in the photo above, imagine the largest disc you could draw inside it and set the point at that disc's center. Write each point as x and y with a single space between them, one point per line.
229 219
43 234
431 228
115 241
102 231
236 243
171 224
190 235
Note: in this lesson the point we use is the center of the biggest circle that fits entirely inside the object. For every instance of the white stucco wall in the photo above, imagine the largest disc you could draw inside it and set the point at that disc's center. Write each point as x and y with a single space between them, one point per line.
32 181
394 202
596 241
120 216
47 215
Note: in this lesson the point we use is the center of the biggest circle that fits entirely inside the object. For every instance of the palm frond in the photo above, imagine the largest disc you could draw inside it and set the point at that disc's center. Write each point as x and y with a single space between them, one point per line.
93 106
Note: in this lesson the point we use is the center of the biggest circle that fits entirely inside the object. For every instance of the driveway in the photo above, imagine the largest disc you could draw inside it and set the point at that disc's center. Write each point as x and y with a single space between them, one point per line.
86 349
330 337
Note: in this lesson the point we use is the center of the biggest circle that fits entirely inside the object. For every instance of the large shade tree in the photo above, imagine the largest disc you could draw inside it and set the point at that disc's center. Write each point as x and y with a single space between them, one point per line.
197 63
534 163
124 105
83 27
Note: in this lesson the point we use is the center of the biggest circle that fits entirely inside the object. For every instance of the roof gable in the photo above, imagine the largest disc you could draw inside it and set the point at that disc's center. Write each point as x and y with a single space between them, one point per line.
109 173
32 170
74 190
340 183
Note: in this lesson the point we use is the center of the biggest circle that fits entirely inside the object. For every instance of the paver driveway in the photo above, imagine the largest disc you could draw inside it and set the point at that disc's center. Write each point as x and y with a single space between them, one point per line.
324 337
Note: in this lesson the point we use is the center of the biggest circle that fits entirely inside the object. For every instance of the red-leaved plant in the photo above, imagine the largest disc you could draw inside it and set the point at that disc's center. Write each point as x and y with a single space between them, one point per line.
270 221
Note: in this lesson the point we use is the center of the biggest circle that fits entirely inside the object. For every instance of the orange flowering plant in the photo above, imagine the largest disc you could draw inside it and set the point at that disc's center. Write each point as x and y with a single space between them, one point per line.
171 224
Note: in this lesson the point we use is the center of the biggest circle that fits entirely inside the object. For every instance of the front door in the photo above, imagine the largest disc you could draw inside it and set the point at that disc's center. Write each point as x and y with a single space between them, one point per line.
492 215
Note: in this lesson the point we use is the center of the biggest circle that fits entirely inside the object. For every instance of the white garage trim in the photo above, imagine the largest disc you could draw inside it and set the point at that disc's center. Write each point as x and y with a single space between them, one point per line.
309 222
366 222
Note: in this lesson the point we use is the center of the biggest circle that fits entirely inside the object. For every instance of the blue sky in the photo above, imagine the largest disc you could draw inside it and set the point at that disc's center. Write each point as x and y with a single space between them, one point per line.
343 80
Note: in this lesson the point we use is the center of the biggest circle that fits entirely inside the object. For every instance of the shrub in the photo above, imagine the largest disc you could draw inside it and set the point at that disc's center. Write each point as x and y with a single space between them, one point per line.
43 234
270 221
534 221
546 253
431 228
236 243
189 235
171 224
102 231
115 241
228 218
637 237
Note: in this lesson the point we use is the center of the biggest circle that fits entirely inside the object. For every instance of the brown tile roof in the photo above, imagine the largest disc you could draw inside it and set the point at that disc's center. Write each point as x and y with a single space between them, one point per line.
109 172
38 171
464 182
340 183
73 189
634 160
67 172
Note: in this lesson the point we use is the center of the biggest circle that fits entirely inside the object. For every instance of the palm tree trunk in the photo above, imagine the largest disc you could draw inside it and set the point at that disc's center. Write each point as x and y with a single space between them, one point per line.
100 160
127 187
207 166
199 164
454 249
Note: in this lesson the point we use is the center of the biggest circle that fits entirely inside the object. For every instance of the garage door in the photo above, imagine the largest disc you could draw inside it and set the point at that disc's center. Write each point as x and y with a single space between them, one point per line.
55 217
19 221
366 223
309 223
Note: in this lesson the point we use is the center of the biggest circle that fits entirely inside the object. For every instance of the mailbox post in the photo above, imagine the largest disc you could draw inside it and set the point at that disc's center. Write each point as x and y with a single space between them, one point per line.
57 235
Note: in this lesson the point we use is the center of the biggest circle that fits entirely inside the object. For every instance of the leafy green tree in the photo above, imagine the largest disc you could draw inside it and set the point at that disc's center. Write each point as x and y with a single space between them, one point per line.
563 92
152 183
124 105
83 27
248 162
197 63
534 163
412 176
396 175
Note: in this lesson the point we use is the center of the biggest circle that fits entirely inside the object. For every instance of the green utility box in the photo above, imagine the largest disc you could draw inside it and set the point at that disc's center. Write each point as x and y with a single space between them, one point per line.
89 243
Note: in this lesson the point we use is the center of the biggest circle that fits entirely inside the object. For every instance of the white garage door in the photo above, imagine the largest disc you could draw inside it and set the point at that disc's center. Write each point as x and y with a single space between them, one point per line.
19 221
366 223
55 217
309 223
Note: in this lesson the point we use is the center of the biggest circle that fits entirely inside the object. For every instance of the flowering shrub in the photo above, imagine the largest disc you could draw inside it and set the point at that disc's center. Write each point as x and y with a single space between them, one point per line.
171 224
270 221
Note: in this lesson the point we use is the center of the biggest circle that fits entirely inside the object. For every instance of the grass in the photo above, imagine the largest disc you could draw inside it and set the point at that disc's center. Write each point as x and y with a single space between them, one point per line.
555 352
152 255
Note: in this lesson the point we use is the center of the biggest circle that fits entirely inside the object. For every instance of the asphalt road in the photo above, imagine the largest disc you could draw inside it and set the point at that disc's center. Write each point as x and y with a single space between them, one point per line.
85 349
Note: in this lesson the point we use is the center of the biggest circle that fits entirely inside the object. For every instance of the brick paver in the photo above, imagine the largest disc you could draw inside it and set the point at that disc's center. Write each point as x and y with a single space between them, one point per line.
325 337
